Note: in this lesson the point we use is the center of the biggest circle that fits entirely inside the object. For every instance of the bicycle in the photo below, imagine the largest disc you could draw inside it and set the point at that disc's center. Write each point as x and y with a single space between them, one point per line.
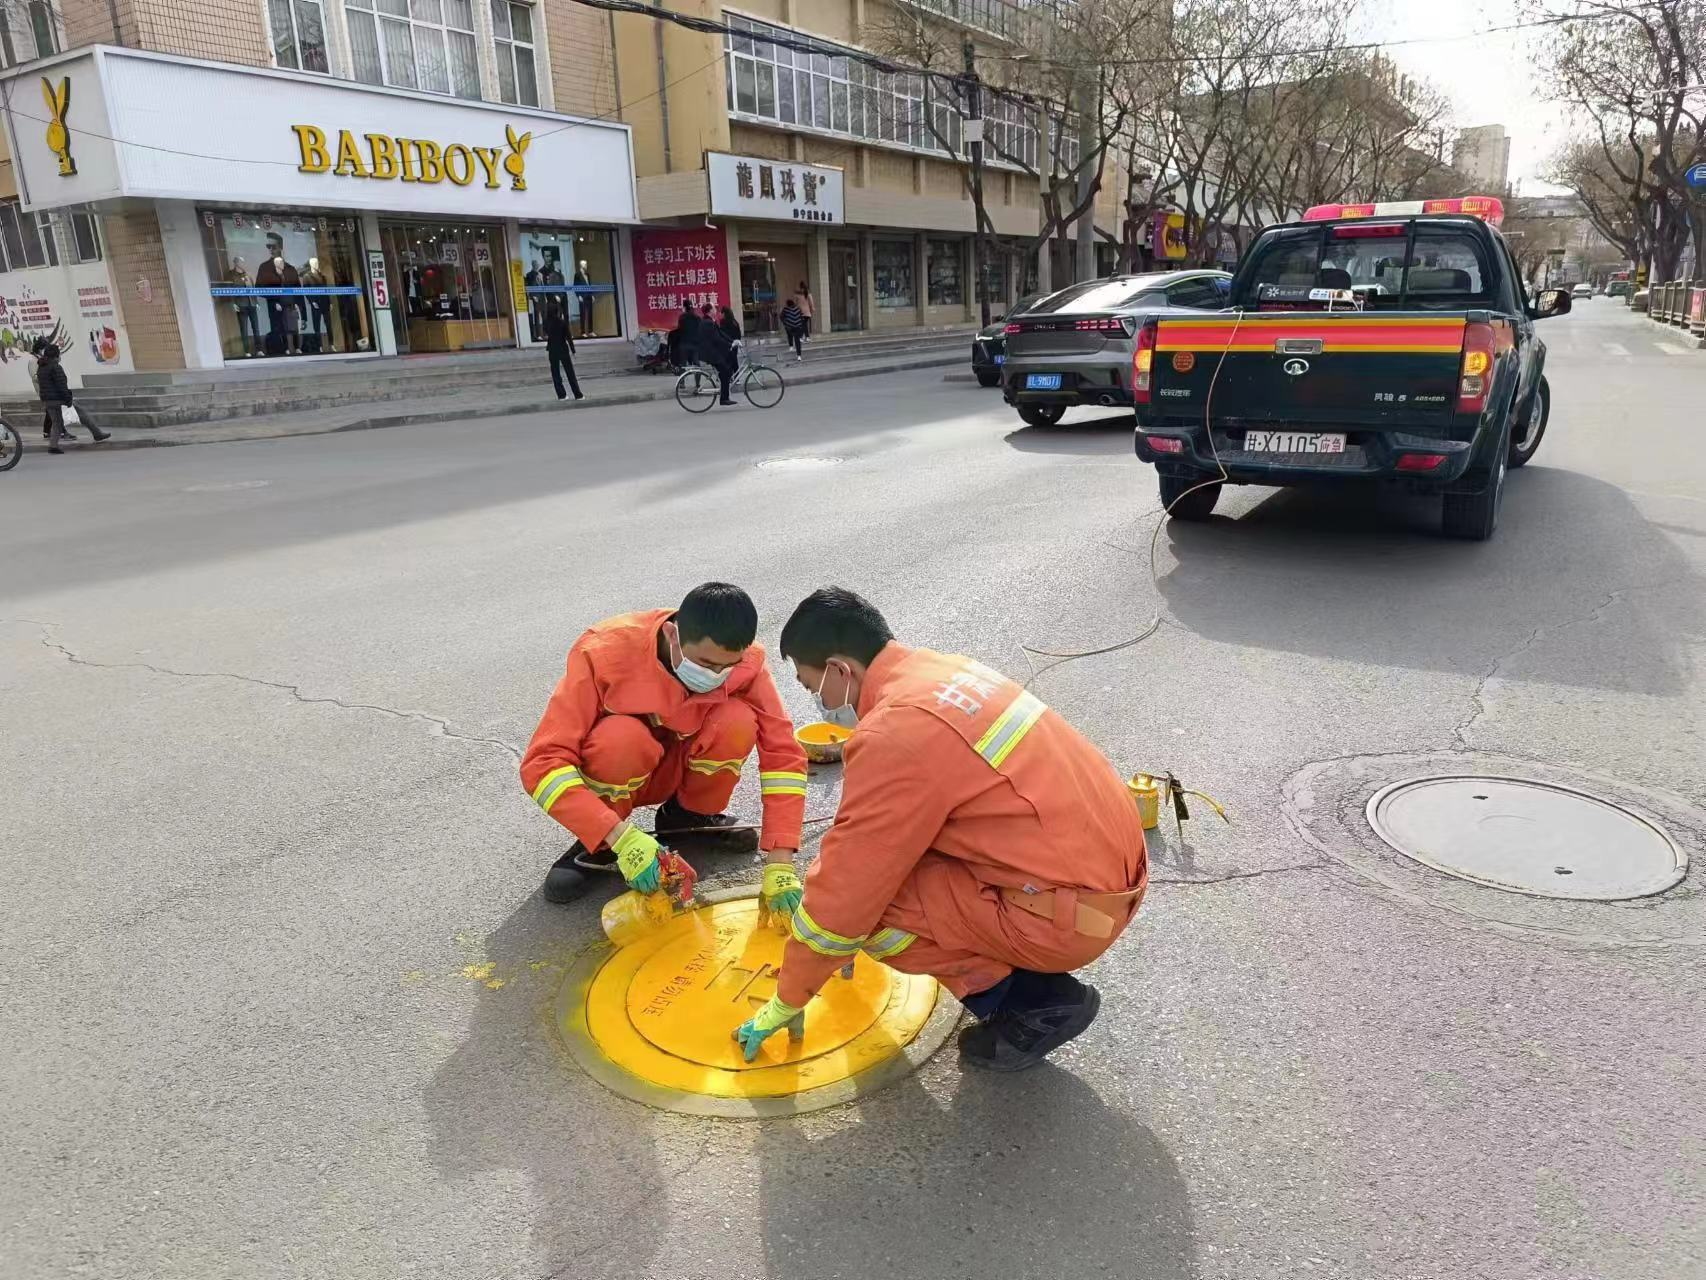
11 446
696 390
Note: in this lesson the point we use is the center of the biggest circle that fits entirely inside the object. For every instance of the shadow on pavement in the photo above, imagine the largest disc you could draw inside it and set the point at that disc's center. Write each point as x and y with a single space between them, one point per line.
1355 576
508 1100
1023 1176
1109 433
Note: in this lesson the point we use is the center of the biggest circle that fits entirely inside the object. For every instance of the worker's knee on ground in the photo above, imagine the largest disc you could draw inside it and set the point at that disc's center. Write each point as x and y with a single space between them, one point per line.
729 733
620 750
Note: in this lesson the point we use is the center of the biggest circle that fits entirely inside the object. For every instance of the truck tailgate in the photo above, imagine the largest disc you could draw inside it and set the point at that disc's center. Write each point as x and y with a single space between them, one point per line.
1384 370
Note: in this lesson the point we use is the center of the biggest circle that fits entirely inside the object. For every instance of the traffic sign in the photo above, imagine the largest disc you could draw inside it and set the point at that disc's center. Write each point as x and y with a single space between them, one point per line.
1697 176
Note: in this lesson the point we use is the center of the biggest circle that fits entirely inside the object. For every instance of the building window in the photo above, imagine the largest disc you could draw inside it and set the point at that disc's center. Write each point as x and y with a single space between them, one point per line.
298 34
891 262
946 277
512 31
835 93
27 31
415 44
21 244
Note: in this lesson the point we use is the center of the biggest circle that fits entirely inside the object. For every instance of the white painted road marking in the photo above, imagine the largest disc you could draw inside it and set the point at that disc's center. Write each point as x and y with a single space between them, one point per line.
1673 351
1617 348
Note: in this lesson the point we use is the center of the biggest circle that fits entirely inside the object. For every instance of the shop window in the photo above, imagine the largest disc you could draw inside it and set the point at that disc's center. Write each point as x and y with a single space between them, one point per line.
449 285
576 269
891 263
415 44
512 29
946 274
298 34
286 284
27 31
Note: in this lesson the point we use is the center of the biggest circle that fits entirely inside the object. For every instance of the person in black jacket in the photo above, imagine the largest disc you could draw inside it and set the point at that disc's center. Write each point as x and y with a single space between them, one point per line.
56 395
560 347
718 351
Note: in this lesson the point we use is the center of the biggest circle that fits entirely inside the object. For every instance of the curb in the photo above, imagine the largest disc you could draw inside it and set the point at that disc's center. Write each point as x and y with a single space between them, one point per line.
378 422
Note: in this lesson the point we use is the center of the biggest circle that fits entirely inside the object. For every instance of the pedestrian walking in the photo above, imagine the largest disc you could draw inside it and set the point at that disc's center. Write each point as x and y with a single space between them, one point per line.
33 358
807 309
794 324
560 348
56 398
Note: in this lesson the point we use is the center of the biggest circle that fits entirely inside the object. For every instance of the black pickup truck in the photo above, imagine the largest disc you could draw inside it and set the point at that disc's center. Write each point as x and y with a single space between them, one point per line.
1393 346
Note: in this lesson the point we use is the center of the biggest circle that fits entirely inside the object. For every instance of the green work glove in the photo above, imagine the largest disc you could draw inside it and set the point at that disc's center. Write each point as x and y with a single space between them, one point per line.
637 859
767 1022
782 889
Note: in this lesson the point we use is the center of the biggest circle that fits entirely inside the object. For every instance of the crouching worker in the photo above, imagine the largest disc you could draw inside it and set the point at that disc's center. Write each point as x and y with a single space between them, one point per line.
663 707
980 839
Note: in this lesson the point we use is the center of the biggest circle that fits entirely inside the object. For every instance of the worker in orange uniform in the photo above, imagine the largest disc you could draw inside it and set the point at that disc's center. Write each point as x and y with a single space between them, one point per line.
980 839
663 707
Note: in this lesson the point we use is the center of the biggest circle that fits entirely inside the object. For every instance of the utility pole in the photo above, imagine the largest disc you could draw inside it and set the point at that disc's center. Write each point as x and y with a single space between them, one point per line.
1087 132
973 127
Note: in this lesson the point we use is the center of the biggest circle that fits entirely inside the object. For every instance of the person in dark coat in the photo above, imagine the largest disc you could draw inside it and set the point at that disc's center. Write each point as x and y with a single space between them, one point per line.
716 350
684 338
729 325
56 395
794 324
560 347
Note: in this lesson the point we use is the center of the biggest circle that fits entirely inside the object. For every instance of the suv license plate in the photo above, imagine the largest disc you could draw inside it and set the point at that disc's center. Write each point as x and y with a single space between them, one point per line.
1294 442
1049 382
1000 359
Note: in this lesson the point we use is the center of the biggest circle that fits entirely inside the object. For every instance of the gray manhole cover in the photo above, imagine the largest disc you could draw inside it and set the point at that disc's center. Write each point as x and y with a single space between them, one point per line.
1527 837
797 463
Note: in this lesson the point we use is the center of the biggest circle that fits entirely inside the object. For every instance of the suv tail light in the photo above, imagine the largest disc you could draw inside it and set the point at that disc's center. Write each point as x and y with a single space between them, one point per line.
1477 374
1142 360
1105 324
1011 329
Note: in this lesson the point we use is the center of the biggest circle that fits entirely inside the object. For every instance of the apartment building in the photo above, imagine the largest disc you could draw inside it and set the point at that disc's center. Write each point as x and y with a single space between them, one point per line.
251 181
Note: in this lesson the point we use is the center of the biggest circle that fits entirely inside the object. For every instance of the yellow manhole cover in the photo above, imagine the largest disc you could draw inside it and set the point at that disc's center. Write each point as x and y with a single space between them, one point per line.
655 1020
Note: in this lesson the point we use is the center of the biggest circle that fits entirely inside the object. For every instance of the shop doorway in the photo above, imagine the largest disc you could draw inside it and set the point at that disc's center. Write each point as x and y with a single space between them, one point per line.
845 311
449 285
769 275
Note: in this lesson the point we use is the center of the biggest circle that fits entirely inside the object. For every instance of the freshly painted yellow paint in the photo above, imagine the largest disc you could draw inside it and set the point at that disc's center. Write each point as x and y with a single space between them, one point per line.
665 1010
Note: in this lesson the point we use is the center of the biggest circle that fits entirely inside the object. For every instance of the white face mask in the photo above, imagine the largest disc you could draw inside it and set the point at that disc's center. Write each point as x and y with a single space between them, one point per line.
278 264
698 679
846 715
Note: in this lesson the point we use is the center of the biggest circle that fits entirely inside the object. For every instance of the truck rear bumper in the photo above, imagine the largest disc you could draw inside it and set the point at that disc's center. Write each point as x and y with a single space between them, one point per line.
1368 455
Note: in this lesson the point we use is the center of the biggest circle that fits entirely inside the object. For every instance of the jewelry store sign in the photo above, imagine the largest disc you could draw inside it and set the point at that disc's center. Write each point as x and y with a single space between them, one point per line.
779 190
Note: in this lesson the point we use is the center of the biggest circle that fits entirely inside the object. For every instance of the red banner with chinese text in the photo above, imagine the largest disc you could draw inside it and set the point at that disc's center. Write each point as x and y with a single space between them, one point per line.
673 268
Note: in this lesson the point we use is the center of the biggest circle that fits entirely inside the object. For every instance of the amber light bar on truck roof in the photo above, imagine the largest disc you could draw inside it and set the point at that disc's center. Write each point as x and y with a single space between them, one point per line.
1490 209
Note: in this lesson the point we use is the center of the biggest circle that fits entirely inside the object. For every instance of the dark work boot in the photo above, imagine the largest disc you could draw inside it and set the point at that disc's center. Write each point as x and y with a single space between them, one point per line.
569 876
674 824
1042 1012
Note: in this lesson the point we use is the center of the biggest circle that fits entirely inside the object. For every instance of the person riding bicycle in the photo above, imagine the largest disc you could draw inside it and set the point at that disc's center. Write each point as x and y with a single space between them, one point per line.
717 350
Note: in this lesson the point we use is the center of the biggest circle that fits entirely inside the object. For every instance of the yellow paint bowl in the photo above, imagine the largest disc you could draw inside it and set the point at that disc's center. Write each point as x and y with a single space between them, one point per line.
822 741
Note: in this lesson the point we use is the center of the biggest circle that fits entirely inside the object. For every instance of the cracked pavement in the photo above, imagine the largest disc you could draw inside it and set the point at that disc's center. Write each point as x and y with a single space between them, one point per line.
276 979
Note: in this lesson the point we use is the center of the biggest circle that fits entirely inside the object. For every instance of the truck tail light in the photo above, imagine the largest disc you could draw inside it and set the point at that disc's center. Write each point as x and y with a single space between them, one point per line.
1420 461
1166 444
1477 372
1142 362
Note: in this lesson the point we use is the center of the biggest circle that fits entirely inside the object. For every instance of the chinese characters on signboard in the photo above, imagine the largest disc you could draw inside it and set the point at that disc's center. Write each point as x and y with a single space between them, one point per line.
673 269
755 187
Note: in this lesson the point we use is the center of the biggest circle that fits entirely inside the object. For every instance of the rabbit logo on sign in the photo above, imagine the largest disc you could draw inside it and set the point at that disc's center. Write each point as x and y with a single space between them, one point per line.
515 163
58 136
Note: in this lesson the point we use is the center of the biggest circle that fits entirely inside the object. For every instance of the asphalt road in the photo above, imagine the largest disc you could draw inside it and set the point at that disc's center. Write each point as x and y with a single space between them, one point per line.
262 834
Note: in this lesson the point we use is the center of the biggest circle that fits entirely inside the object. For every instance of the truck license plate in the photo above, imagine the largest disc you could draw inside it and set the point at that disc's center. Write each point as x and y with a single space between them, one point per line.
1042 382
1294 442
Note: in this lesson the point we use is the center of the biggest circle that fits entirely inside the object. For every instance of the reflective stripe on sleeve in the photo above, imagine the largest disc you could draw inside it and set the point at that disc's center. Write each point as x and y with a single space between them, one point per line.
888 942
1012 725
819 939
779 782
553 784
716 766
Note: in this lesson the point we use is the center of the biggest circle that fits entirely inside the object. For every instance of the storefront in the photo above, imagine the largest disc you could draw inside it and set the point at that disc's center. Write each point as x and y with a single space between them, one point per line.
300 217
784 216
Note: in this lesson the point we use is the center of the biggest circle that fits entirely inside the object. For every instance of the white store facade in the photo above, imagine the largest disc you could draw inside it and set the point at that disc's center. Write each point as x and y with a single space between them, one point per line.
303 218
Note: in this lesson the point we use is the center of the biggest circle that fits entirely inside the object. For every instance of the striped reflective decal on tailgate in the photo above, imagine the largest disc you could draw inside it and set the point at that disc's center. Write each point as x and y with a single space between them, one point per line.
1353 333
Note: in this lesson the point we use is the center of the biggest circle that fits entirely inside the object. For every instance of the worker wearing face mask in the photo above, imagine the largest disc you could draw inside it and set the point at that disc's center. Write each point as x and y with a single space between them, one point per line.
663 707
980 839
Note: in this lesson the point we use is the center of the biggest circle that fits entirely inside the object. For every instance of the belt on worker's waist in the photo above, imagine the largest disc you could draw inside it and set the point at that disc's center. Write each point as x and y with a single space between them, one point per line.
1095 915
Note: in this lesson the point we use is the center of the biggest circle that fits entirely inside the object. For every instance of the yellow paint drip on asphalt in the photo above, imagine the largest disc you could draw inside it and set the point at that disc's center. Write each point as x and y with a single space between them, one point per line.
664 1009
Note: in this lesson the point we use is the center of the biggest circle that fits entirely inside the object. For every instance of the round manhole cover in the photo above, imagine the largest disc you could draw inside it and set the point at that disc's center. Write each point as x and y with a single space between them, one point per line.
1527 837
654 1020
797 463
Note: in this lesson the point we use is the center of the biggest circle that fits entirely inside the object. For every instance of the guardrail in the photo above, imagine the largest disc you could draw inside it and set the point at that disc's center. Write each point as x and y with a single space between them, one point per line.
1680 304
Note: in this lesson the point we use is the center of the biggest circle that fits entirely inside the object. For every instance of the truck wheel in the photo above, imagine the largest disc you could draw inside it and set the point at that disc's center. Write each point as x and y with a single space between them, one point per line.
1525 436
988 379
1042 415
1189 497
1475 515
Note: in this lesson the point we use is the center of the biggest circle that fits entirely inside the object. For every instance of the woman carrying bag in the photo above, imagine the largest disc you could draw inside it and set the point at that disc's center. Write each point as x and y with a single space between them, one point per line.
56 397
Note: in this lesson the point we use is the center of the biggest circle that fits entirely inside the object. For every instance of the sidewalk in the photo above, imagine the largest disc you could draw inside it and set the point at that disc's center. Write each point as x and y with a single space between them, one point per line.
466 407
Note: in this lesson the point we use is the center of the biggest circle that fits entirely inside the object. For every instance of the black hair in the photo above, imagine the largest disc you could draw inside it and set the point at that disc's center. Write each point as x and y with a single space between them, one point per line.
720 612
831 621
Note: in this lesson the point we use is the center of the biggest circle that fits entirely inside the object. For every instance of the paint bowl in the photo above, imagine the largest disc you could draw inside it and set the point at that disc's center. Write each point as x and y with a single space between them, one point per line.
822 741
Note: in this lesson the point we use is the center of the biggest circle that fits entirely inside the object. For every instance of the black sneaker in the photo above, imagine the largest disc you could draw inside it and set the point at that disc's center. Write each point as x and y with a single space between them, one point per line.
1020 1035
702 831
568 879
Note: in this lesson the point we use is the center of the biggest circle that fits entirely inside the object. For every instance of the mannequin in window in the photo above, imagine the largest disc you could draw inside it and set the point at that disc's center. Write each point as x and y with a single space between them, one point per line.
284 319
585 300
248 323
319 305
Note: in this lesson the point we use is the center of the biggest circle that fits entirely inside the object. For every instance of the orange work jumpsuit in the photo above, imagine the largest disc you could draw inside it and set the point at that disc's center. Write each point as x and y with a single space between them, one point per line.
621 731
978 833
